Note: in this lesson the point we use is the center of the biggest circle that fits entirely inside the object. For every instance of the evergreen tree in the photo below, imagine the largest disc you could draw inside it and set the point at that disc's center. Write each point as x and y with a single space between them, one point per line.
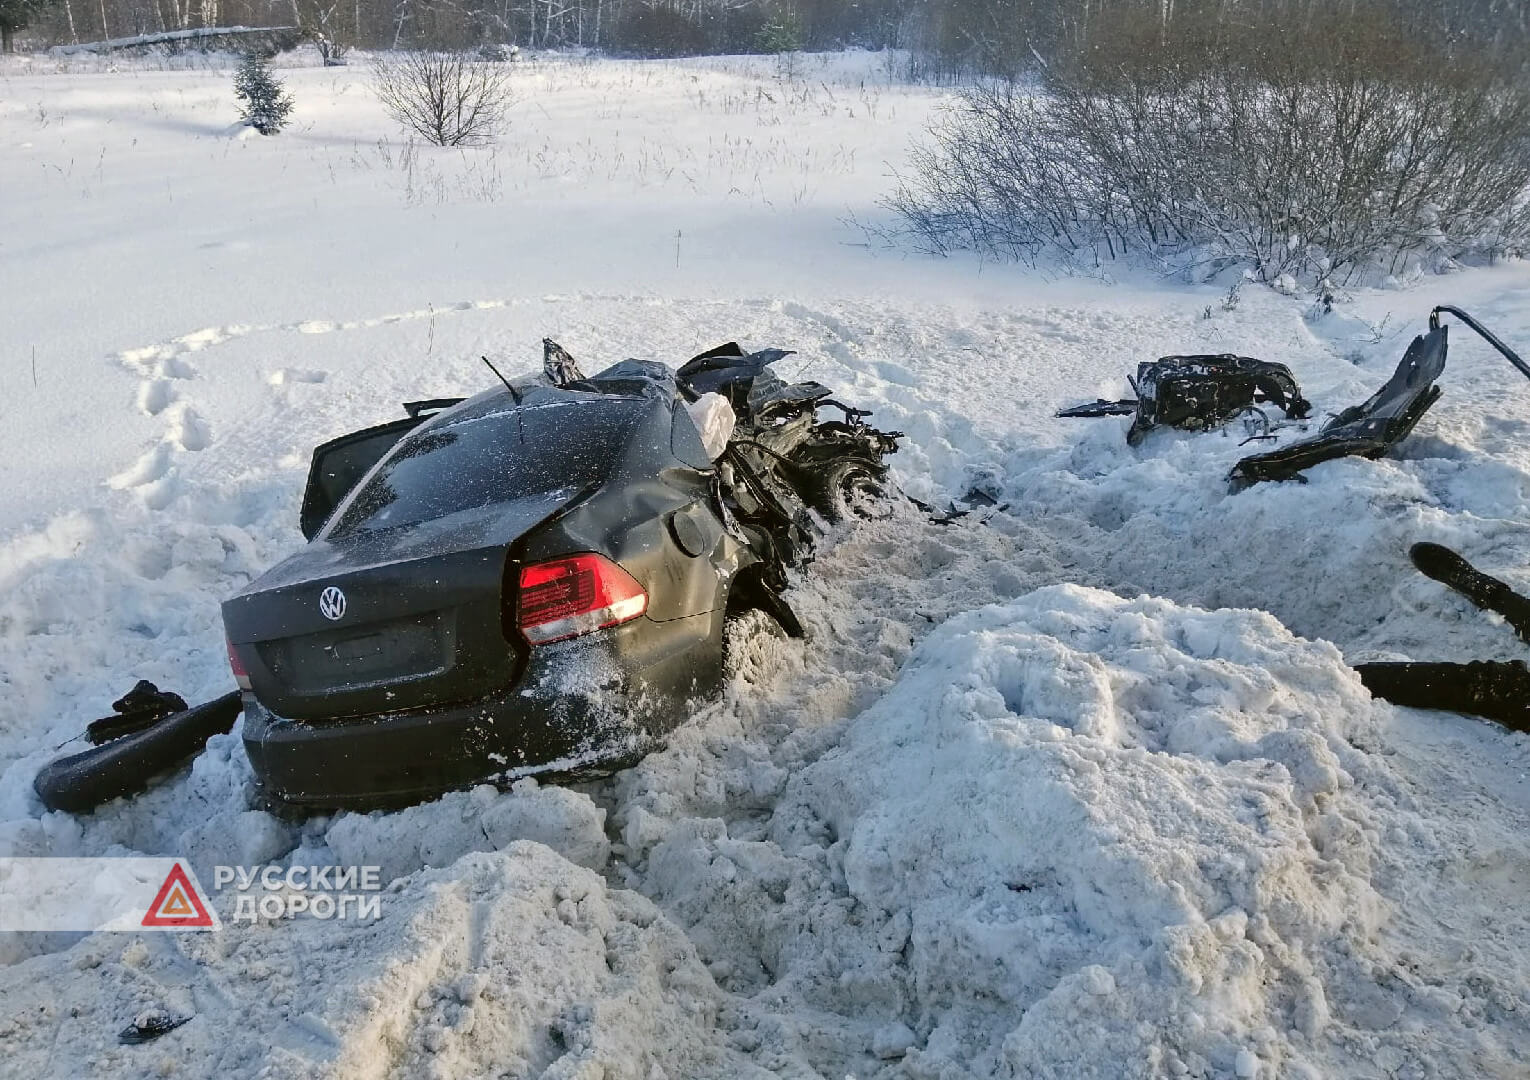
782 34
266 104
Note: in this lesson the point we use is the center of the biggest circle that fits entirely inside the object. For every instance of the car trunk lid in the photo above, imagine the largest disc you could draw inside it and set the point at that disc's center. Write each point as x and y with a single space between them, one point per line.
383 623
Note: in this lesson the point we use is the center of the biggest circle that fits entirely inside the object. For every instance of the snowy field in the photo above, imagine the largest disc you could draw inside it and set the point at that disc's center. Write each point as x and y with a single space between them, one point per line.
1084 788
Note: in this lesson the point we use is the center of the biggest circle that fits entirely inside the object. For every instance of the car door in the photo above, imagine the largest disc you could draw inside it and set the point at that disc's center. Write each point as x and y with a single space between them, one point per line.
339 465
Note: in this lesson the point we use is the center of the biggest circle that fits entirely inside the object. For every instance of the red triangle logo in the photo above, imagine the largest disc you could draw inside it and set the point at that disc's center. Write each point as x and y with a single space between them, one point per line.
177 903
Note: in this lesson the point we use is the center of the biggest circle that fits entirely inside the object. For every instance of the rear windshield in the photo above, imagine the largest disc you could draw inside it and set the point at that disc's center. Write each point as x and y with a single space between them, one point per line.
492 455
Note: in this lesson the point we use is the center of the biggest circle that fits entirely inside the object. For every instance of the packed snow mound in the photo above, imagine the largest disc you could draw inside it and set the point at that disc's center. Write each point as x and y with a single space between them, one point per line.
206 815
439 832
1080 835
1126 821
513 963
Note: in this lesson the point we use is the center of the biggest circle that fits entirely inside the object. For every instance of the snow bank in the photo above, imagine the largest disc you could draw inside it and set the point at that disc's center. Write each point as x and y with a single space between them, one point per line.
1080 835
514 963
207 816
439 832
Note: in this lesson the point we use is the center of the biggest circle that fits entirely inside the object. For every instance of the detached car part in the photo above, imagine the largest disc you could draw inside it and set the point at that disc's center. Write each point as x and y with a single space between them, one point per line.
141 707
1198 393
1373 427
126 763
1493 689
1449 568
150 1025
535 579
1499 691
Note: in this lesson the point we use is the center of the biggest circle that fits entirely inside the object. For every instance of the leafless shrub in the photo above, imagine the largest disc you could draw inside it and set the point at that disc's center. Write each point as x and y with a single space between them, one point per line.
1346 149
446 98
331 52
325 26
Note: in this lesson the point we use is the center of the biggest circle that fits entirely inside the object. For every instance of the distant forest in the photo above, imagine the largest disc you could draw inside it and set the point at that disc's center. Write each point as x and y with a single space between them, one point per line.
949 40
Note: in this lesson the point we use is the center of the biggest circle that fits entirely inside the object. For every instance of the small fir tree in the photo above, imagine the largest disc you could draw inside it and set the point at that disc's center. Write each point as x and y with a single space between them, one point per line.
783 36
266 104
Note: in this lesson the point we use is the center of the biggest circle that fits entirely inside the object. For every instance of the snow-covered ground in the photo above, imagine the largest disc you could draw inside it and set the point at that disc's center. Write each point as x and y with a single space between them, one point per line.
1058 792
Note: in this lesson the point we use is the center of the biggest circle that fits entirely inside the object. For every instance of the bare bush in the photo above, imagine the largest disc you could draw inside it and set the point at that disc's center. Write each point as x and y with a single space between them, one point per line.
446 98
1344 150
323 24
331 52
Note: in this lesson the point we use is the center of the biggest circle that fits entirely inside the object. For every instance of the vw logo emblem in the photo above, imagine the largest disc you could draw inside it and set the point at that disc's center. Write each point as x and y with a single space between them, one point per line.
332 603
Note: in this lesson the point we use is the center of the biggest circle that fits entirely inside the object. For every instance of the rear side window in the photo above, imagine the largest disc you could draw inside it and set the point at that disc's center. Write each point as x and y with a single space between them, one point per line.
474 459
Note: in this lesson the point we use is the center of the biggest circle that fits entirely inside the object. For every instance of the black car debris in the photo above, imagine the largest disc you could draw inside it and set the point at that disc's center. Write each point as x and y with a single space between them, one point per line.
1379 423
1203 392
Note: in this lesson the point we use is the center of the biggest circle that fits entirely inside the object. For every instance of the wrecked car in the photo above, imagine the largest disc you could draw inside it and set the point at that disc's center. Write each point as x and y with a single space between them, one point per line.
535 579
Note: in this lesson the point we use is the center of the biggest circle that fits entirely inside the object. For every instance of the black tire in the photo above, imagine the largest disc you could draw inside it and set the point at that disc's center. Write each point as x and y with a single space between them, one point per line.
849 489
81 782
751 592
755 610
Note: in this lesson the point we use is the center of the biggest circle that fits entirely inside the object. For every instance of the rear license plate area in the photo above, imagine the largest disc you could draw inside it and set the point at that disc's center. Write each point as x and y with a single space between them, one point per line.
338 660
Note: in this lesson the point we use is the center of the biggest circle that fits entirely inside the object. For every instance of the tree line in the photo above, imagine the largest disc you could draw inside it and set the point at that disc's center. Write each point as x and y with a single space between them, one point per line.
948 40
953 40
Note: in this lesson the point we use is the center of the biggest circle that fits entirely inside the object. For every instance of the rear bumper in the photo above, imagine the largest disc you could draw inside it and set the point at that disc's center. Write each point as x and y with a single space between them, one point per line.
581 704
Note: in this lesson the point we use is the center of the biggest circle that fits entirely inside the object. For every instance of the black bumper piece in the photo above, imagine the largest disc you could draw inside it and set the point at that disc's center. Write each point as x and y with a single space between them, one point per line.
582 706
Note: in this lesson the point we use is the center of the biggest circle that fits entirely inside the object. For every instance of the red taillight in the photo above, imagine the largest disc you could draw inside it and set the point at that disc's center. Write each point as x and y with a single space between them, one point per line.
241 676
563 598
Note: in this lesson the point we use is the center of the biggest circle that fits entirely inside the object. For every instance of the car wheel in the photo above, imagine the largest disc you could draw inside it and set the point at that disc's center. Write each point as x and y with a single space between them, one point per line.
852 490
